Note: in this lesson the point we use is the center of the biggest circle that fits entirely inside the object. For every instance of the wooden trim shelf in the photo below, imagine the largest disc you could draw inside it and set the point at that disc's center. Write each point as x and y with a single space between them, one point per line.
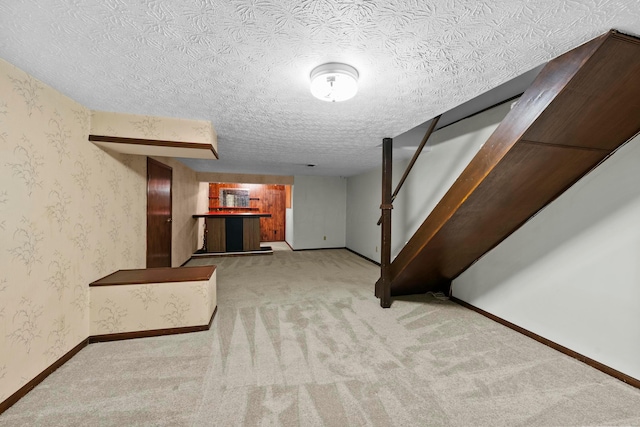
154 142
156 275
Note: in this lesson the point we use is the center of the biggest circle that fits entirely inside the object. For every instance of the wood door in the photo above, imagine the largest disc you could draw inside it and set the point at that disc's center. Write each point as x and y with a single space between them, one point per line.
159 179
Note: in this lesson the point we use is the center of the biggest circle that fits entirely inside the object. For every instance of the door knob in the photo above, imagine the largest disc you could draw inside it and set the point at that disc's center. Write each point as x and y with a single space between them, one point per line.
169 220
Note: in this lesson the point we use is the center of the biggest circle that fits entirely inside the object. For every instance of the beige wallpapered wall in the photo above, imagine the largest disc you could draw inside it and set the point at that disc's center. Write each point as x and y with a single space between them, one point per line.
70 213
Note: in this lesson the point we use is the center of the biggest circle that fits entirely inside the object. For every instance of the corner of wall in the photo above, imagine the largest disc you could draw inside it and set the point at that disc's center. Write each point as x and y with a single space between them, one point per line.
70 213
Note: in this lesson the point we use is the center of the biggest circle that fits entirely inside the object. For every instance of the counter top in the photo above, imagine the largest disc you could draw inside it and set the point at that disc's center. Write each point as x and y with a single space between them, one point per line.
156 275
233 215
232 209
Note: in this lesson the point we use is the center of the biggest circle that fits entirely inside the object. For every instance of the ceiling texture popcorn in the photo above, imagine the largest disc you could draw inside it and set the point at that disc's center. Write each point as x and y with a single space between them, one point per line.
245 64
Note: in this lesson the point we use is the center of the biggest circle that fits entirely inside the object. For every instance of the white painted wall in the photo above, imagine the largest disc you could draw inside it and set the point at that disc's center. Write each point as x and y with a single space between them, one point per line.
572 273
319 206
364 195
288 226
451 149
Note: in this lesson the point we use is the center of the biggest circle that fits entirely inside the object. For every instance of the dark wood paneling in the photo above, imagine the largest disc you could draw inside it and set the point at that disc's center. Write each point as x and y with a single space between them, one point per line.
272 229
263 198
216 235
159 223
593 363
511 178
251 234
156 275
287 196
233 231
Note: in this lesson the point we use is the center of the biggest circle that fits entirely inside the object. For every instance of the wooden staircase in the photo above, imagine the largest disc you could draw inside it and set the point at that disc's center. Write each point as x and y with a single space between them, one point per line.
582 107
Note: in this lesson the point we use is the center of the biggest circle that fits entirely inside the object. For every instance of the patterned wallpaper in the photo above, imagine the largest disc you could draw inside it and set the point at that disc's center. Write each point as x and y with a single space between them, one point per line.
117 309
70 213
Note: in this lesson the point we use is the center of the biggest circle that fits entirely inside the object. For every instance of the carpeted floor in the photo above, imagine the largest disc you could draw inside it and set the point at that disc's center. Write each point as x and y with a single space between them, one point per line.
299 339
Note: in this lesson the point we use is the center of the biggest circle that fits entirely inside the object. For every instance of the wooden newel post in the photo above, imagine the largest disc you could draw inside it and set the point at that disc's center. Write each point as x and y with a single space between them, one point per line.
384 293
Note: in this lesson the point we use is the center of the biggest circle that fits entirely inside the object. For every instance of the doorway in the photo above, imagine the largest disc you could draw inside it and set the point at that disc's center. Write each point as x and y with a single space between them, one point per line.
159 182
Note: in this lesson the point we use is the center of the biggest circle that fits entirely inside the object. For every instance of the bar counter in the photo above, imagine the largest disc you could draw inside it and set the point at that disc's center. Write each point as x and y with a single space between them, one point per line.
231 231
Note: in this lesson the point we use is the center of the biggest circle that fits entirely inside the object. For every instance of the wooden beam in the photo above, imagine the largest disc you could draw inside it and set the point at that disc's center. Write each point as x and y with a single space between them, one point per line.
384 291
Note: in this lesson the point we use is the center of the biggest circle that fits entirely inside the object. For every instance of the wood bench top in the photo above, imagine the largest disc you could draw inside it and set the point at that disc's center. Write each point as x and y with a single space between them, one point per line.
156 275
233 215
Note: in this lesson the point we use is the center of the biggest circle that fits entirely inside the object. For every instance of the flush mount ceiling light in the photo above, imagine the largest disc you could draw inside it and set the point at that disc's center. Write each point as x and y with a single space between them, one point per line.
334 82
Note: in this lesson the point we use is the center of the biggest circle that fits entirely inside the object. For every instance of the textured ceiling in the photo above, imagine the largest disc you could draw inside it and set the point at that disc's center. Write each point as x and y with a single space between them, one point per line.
245 64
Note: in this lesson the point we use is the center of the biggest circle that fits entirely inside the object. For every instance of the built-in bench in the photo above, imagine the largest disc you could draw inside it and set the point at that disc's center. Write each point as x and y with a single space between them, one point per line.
150 302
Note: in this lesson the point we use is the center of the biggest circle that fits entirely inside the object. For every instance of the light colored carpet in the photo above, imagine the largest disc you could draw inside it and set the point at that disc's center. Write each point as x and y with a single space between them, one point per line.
277 246
299 339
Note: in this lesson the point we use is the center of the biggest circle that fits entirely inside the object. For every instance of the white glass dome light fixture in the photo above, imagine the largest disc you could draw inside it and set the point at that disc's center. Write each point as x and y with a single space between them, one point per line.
334 82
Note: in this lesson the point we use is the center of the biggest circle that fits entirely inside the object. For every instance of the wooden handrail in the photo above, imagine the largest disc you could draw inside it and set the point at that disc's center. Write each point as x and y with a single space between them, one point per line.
432 126
427 134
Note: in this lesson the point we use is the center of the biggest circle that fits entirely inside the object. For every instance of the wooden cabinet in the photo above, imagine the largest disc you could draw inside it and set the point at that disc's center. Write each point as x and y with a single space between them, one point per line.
232 232
216 234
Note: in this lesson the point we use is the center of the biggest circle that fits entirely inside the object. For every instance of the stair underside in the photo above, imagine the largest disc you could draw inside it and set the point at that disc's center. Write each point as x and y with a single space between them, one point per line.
584 105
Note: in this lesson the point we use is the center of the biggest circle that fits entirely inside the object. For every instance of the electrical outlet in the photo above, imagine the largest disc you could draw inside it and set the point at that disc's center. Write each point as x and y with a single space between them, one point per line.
325 238
376 249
